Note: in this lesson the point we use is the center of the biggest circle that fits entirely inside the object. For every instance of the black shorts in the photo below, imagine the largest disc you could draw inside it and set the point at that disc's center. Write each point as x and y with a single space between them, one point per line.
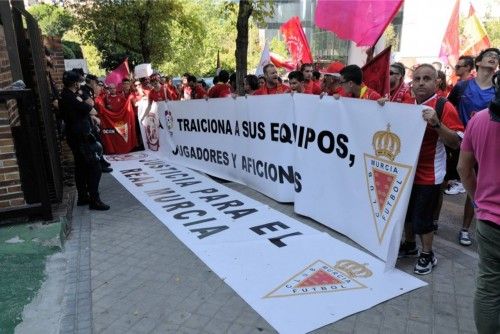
423 202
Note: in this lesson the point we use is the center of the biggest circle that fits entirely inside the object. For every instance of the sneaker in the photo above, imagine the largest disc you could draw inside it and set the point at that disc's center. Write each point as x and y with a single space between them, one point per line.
460 187
425 263
408 249
454 188
464 238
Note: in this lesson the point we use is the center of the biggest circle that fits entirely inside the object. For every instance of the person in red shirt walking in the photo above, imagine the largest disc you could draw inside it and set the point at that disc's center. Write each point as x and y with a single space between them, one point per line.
446 129
272 86
353 86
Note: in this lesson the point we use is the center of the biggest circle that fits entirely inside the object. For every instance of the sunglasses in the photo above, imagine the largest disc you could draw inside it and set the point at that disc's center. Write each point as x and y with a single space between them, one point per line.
394 73
459 66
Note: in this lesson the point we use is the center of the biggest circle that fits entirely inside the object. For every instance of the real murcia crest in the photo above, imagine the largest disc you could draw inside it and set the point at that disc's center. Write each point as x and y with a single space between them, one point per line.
385 178
321 277
127 157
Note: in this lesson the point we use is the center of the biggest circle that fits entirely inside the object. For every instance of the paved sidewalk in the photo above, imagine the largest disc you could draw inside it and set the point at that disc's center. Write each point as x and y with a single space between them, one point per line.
144 280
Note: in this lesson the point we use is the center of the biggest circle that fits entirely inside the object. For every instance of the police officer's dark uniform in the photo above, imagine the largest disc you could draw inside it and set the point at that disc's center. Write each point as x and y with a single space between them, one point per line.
86 92
86 150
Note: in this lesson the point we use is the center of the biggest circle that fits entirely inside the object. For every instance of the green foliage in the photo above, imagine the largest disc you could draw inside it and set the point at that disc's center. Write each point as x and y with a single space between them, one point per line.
75 49
492 27
53 20
391 38
68 52
213 29
89 51
135 27
277 45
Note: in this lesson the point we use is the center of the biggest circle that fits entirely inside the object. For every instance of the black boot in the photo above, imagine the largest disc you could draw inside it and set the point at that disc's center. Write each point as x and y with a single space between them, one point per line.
83 200
104 163
106 169
97 204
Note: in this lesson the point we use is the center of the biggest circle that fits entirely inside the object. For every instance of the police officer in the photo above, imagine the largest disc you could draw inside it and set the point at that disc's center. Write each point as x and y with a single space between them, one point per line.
86 150
87 91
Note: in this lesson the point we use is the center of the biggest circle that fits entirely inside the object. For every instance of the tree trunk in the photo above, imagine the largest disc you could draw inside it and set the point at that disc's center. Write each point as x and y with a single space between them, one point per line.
244 12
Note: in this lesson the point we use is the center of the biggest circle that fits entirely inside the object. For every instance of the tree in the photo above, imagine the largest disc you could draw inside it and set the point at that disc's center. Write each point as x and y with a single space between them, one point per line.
259 9
53 20
133 27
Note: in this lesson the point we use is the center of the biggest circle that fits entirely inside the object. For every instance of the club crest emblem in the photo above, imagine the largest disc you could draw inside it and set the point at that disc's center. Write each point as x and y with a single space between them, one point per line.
385 178
127 156
321 277
122 129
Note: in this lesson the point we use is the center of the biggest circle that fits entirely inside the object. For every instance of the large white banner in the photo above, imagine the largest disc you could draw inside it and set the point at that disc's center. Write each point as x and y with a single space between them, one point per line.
346 163
296 277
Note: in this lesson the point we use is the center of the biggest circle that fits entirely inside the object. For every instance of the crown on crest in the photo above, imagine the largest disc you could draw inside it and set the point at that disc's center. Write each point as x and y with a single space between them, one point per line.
353 268
386 144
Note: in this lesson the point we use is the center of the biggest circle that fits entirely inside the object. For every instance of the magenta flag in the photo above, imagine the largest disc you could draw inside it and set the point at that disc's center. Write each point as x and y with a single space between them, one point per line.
361 21
118 74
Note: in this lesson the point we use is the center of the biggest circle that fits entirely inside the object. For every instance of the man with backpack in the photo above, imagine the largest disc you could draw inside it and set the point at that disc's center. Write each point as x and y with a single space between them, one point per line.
469 97
443 128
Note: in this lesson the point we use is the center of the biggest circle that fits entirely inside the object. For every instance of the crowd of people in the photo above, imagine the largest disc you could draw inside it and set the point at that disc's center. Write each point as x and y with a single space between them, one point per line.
449 112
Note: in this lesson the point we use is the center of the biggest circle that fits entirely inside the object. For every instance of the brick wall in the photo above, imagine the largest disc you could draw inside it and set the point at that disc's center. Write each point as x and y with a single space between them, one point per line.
55 47
11 195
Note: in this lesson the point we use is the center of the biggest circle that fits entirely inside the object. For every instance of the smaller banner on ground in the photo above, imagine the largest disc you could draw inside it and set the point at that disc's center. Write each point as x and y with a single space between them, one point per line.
296 277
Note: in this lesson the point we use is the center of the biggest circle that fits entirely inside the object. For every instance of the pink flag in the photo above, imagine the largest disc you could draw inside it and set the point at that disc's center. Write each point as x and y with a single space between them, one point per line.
296 41
361 21
450 44
118 74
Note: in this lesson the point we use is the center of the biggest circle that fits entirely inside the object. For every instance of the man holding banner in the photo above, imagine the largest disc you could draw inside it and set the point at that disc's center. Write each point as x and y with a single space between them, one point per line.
443 128
272 86
353 86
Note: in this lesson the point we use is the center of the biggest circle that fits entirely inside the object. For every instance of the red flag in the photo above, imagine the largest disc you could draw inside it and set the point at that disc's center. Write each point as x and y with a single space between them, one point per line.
474 36
118 74
376 72
118 132
450 45
296 41
361 21
281 62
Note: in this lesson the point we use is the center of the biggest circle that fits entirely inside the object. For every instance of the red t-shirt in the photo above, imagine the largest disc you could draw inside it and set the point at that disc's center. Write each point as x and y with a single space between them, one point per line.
220 90
311 87
115 102
368 94
279 89
158 95
172 93
431 166
198 92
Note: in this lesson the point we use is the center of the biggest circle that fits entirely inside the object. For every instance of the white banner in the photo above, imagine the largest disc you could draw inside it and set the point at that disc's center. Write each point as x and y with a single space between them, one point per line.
347 163
296 277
